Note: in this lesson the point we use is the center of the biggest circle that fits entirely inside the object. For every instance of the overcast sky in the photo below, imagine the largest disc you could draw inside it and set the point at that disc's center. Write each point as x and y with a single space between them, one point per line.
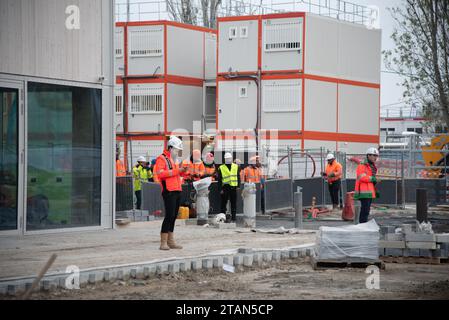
391 93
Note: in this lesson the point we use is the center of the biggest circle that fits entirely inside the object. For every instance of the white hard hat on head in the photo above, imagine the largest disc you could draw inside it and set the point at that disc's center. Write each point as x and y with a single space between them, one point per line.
141 159
330 156
228 155
373 151
175 142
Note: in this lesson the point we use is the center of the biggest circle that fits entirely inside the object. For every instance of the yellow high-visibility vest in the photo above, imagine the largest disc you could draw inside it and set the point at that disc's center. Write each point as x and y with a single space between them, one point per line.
229 177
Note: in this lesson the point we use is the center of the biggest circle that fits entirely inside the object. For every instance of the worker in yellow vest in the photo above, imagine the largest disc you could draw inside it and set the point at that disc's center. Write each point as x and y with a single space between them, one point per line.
140 175
228 183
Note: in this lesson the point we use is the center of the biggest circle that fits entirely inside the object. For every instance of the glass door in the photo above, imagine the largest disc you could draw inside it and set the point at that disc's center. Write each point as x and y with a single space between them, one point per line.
11 157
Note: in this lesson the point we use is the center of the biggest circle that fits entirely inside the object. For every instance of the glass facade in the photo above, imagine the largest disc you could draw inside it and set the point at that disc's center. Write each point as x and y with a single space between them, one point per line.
63 156
8 158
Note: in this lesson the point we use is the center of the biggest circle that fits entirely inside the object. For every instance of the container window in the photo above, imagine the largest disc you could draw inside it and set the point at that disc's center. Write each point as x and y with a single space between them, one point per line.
244 32
281 97
282 36
146 99
232 32
118 42
146 42
118 101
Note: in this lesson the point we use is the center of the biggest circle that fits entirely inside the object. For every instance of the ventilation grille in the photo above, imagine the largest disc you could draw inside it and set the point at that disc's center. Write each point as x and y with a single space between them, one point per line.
282 36
146 99
146 42
281 97
119 42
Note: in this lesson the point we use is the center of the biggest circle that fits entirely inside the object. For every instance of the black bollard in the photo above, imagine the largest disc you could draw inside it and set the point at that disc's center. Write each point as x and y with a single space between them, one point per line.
421 205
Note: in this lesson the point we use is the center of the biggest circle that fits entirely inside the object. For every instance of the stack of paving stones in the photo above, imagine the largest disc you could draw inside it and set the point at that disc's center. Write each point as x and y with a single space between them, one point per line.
244 258
409 243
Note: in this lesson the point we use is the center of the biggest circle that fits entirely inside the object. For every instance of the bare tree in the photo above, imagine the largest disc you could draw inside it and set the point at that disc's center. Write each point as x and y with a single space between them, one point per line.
187 11
421 56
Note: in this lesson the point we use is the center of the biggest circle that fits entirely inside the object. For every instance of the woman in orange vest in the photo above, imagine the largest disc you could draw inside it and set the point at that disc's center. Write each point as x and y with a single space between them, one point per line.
168 174
119 167
209 166
365 185
333 176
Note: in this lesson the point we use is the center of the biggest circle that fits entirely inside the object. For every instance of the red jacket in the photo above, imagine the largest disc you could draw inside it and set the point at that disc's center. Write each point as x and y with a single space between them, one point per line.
167 172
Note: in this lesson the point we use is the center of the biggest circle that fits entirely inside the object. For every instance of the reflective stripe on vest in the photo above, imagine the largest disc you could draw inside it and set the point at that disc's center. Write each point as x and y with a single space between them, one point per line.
229 177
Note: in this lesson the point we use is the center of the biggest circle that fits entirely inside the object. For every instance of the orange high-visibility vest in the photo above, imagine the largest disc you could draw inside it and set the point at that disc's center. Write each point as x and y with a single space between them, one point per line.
336 169
166 172
364 186
192 169
251 175
120 168
210 171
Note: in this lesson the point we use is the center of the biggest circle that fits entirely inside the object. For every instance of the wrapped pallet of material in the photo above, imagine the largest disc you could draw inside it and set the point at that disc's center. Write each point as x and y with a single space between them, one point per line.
360 242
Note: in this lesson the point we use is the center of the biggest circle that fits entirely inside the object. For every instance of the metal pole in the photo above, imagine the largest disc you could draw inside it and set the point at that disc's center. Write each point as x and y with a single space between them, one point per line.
421 205
403 181
298 208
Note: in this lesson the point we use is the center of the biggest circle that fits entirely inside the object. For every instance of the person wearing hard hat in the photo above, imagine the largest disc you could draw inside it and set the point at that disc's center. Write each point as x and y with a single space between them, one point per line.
140 174
194 167
333 174
209 166
228 183
253 172
168 173
365 185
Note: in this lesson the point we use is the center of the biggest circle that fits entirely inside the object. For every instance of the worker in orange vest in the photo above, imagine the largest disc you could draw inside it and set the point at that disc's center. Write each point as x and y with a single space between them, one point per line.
194 167
168 174
209 166
253 172
119 167
333 176
365 185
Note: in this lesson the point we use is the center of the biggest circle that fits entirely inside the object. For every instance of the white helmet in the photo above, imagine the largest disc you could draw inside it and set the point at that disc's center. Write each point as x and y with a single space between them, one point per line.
228 155
141 159
373 151
330 156
175 142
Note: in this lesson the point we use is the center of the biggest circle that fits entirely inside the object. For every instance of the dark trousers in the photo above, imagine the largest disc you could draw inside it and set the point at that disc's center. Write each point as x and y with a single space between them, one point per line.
139 199
229 193
334 190
171 202
364 210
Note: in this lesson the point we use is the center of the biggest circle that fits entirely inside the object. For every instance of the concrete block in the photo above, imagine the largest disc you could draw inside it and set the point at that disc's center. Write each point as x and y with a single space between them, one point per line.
426 253
120 275
257 259
420 237
133 273
245 250
106 276
12 289
285 255
276 256
436 253
229 260
391 244
442 237
248 260
149 271
238 260
92 278
387 229
161 268
227 225
218 262
421 245
444 246
267 256
381 252
173 267
180 222
309 252
407 228
208 263
411 252
293 253
28 286
196 265
394 252
394 237
47 285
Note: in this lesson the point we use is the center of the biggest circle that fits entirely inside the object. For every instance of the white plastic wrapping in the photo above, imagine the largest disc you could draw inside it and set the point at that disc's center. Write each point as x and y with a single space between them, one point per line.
356 241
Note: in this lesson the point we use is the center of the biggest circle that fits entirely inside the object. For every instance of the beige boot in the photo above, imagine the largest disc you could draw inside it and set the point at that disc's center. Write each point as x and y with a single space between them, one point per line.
164 246
171 242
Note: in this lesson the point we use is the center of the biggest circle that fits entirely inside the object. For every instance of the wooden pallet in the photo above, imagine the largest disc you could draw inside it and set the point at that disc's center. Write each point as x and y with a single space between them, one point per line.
415 260
345 263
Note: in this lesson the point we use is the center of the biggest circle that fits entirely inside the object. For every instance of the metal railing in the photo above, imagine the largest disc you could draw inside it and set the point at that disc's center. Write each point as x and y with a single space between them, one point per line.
338 9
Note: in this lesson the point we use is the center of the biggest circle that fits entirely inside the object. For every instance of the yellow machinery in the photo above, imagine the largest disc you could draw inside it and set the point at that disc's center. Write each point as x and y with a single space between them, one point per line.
433 154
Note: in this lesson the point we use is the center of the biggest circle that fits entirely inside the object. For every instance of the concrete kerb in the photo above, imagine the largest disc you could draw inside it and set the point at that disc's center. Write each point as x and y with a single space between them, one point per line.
145 270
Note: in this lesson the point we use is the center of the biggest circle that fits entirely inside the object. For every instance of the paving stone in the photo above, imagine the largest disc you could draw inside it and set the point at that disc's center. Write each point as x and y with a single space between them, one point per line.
381 252
394 237
161 268
106 276
12 289
196 265
386 229
394 252
173 267
391 244
92 278
442 237
309 252
120 275
133 273
425 253
411 252
229 260
276 256
46 285
420 237
285 255
293 254
257 259
238 260
267 256
248 260
436 253
421 245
